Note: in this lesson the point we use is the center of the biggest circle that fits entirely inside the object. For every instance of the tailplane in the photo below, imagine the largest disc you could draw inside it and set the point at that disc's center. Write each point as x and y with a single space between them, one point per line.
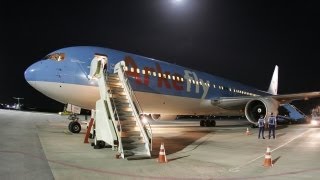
273 88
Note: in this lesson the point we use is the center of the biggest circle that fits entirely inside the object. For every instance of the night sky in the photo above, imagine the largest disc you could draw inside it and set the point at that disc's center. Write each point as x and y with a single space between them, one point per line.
238 40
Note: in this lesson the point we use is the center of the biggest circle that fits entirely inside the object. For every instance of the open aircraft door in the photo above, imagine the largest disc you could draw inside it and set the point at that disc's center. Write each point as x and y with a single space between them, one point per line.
98 64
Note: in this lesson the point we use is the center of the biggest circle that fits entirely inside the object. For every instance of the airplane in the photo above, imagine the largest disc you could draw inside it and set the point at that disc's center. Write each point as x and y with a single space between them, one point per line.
164 90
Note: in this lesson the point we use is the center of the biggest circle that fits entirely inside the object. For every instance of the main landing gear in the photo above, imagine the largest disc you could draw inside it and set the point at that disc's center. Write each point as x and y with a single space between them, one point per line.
207 123
74 126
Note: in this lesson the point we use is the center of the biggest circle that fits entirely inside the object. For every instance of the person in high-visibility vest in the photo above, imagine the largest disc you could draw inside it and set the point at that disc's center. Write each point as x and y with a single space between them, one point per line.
261 123
272 123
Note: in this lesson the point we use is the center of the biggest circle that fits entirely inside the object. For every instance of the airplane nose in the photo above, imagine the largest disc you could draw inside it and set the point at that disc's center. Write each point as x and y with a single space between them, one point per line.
30 73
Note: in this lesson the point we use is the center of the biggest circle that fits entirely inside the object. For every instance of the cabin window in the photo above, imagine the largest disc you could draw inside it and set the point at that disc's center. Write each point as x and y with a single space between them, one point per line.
164 76
143 71
178 79
174 78
159 74
132 69
154 74
193 82
169 77
181 79
126 68
138 70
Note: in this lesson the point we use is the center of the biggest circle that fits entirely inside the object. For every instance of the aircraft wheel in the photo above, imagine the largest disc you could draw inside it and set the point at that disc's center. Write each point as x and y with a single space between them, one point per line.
212 123
75 127
69 126
207 123
202 123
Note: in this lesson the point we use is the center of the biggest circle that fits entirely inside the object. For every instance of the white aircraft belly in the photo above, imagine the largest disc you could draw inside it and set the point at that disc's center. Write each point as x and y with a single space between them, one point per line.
86 97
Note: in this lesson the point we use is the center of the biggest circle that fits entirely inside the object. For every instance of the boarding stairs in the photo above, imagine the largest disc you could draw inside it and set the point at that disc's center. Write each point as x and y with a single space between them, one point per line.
117 120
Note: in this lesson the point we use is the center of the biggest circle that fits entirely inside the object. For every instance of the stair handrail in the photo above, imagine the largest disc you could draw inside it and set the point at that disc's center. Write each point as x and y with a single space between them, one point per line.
135 106
107 98
115 112
145 124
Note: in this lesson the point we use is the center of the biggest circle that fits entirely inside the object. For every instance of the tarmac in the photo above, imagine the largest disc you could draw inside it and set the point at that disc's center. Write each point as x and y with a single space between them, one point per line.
39 146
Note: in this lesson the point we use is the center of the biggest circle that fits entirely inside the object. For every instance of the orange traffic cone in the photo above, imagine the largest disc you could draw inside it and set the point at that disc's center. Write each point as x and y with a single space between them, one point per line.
248 132
267 158
162 155
86 138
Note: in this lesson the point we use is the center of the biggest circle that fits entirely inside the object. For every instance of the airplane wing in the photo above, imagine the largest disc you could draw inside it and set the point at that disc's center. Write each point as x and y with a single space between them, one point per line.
241 101
287 98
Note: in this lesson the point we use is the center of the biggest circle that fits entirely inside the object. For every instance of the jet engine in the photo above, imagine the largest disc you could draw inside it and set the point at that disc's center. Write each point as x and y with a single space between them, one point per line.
262 106
164 117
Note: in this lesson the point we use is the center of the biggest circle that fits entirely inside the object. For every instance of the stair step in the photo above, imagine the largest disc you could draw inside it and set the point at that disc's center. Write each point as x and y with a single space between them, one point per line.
114 85
142 150
134 155
124 101
130 133
132 146
122 107
117 89
127 118
130 139
113 78
128 153
113 81
124 113
121 96
125 109
113 75
128 122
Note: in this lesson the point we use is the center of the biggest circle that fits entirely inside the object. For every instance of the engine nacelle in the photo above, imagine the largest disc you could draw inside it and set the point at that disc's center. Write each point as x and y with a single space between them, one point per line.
262 106
164 117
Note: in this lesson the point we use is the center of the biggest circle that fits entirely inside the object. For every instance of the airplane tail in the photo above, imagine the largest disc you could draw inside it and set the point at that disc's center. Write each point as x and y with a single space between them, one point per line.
273 88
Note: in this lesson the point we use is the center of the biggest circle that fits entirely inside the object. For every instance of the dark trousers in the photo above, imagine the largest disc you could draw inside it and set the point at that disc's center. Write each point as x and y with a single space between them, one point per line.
261 131
272 128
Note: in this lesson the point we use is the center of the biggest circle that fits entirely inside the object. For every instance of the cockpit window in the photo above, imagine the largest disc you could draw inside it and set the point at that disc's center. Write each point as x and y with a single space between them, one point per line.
55 56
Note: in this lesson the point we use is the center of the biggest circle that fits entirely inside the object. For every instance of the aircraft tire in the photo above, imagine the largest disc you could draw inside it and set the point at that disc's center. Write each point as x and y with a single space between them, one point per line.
207 123
202 123
212 123
75 127
69 126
